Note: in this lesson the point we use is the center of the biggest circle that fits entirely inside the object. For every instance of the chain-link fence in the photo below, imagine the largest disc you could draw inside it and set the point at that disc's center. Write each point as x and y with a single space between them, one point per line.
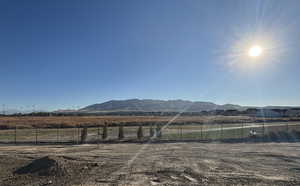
286 131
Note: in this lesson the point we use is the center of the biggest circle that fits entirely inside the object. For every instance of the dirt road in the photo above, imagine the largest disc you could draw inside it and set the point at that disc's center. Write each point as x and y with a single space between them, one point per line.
152 164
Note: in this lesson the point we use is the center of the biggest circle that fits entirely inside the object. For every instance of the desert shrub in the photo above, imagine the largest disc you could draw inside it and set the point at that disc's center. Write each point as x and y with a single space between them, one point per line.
121 132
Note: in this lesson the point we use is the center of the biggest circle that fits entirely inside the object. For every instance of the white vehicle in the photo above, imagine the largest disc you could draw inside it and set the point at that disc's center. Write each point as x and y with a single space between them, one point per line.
252 133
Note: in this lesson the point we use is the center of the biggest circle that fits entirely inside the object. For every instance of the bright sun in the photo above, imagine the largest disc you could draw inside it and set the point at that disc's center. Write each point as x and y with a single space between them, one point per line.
255 51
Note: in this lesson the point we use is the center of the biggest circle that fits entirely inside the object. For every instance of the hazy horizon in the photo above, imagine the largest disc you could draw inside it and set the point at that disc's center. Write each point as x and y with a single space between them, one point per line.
32 108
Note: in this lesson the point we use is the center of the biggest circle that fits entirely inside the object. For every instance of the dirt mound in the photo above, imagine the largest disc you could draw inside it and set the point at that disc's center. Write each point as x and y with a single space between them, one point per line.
46 166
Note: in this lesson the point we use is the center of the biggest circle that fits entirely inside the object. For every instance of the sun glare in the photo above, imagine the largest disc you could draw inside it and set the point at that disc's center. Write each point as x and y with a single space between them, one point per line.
255 51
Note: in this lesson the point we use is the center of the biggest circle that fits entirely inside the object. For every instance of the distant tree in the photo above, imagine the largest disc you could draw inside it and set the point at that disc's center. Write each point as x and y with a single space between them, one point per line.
104 132
121 132
140 133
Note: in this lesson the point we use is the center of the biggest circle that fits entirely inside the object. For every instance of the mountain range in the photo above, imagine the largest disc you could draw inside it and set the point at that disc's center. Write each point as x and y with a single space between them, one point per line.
150 105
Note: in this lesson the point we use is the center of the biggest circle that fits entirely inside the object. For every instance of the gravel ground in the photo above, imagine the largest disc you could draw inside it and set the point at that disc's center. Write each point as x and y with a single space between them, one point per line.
152 164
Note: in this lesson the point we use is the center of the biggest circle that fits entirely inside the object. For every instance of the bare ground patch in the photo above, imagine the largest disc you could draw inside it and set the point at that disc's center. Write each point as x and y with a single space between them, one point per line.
152 164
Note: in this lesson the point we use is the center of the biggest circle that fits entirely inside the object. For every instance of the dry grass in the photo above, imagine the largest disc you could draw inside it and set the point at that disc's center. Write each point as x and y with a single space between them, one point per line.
71 121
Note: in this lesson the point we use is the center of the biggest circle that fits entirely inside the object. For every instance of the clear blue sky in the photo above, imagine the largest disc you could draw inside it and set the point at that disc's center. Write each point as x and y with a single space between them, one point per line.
64 53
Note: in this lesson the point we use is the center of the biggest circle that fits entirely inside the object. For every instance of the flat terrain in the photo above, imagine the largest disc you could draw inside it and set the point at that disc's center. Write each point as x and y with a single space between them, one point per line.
152 164
73 121
169 132
194 132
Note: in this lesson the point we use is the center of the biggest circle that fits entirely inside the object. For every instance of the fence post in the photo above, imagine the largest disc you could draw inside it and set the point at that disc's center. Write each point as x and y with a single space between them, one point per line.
121 133
57 134
78 134
140 133
36 135
104 132
98 136
221 131
158 131
73 133
263 129
242 131
201 131
151 132
181 132
84 133
16 134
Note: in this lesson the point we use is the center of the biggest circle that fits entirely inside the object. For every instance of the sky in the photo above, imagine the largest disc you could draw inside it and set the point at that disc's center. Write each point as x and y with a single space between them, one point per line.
66 54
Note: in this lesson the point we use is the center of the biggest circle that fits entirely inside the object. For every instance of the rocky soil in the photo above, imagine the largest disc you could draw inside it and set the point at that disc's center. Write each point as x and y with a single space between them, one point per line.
152 164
